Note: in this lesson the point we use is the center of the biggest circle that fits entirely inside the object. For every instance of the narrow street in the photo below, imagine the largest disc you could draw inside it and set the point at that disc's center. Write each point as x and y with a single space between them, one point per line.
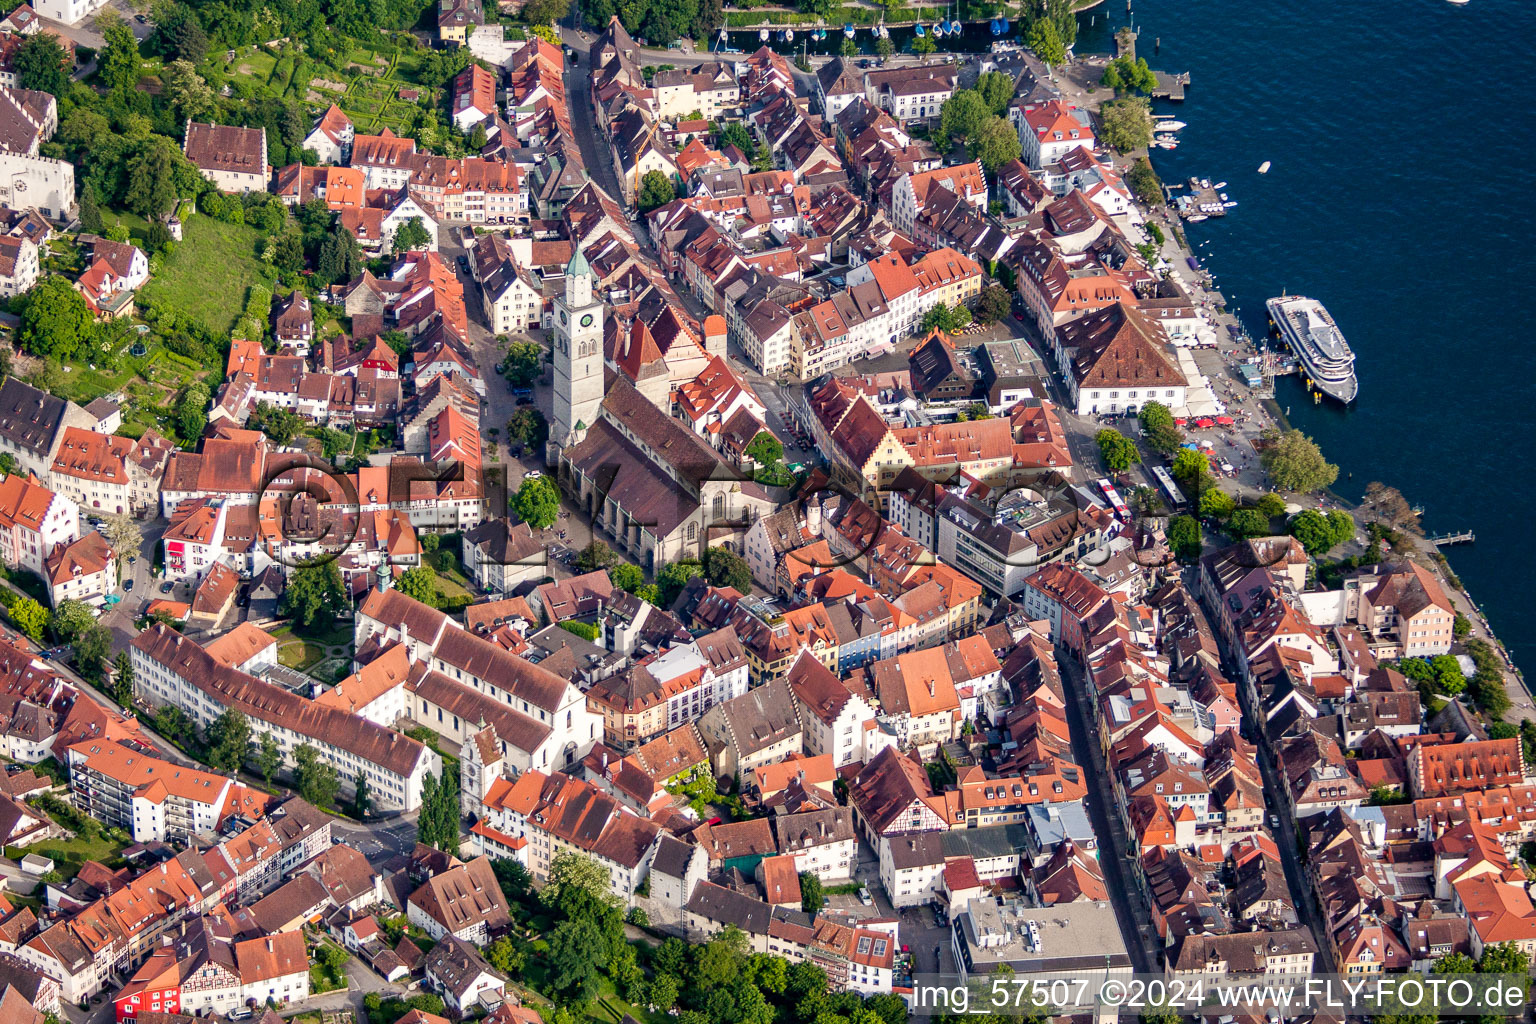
1115 852
1284 828
594 151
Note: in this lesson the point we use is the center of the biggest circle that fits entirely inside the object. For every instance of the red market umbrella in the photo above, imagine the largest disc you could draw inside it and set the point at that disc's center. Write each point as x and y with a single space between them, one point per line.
1205 422
1225 421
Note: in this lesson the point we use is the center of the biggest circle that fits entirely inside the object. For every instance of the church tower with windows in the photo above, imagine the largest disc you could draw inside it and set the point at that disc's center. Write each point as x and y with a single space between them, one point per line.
578 346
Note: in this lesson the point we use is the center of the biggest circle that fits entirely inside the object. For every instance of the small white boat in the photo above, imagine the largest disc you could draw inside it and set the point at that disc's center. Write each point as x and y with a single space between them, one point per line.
1264 167
789 34
1223 197
1197 218
1458 3
1171 126
1220 184
762 34
1230 204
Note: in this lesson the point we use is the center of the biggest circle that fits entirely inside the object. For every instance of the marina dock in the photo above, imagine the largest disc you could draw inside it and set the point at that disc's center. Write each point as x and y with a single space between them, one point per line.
1203 201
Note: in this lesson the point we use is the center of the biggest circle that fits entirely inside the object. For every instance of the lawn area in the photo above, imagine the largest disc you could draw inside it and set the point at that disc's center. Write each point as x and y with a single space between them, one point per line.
299 654
334 634
209 273
69 854
321 979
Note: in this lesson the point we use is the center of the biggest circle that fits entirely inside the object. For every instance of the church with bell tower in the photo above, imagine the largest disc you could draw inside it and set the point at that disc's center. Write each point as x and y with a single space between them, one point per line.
578 350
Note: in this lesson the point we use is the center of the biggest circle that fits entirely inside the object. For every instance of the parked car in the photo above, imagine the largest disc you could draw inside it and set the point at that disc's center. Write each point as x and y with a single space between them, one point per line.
127 584
865 898
167 587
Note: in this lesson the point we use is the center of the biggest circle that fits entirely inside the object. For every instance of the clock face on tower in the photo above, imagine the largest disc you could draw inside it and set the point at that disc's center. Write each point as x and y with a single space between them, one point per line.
586 321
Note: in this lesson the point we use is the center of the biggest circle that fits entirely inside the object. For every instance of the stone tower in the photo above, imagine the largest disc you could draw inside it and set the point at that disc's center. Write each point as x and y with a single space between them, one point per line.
578 345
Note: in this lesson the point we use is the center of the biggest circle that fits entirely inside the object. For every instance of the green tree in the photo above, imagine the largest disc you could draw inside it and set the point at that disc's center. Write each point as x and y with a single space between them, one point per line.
122 686
90 207
663 991
362 798
1184 537
1126 124
173 724
1118 451
1125 75
505 956
55 320
411 234
229 741
269 757
923 45
1216 504
187 90
628 578
418 583
1314 531
192 410
545 12
316 780
427 832
1192 469
656 189
849 48
537 502
596 555
884 47
92 649
30 617
281 425
1159 429
734 133
994 304
1044 39
118 60
947 319
1295 463
524 362
572 961
339 260
765 449
995 143
1342 524
41 64
673 577
153 179
1247 522
529 427
963 114
725 568
70 619
314 592
812 899
579 886
996 88
1144 182
1273 505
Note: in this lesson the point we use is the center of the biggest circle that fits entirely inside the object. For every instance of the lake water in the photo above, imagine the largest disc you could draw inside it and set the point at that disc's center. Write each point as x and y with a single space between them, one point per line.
1397 186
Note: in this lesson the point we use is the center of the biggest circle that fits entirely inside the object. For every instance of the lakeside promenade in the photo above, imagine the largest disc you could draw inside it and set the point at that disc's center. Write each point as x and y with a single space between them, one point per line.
1078 83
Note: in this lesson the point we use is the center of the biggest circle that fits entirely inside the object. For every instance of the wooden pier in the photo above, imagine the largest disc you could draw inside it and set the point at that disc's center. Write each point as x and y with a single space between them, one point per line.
1170 86
1443 539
